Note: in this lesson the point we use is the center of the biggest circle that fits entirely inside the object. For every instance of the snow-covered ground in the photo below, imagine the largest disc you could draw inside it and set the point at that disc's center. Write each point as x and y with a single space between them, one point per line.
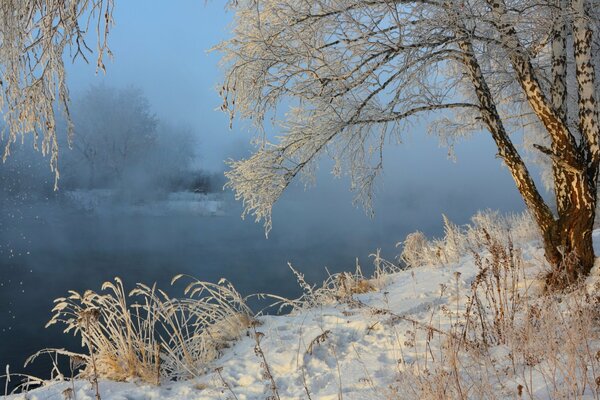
356 348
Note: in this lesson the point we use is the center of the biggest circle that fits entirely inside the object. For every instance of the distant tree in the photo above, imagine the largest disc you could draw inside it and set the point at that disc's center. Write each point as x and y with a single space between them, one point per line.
119 143
114 130
357 71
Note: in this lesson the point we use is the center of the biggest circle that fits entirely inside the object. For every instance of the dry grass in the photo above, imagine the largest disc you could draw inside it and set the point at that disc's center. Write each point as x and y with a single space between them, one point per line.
497 337
508 341
342 286
458 241
147 335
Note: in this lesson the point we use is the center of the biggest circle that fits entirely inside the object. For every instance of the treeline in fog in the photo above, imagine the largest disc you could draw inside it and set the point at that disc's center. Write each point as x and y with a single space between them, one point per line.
119 146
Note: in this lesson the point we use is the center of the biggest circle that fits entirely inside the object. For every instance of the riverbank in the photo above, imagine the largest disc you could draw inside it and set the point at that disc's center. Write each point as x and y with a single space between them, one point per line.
475 324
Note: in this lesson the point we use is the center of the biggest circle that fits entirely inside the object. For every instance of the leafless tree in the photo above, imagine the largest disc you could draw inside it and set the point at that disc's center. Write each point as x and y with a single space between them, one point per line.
356 71
34 37
114 129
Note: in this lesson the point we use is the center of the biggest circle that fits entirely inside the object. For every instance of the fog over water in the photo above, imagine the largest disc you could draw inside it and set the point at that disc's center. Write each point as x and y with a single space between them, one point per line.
50 243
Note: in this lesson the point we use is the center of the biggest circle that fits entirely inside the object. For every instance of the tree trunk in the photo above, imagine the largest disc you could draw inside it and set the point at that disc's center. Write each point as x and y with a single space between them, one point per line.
568 238
567 235
569 248
569 243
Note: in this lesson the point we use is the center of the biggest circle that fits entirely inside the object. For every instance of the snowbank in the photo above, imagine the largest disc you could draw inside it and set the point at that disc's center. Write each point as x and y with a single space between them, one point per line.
358 348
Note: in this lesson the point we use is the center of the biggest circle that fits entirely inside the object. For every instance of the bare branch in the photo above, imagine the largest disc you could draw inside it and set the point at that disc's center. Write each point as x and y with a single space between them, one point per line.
34 35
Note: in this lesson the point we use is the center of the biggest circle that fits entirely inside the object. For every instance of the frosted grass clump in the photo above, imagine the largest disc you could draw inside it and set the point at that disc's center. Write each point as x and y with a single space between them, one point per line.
341 286
145 334
458 241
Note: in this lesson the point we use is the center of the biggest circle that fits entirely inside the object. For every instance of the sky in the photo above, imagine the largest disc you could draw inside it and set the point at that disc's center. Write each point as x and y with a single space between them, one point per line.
163 47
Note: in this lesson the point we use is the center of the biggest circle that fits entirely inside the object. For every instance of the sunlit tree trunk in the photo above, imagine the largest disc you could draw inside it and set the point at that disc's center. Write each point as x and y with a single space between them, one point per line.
568 236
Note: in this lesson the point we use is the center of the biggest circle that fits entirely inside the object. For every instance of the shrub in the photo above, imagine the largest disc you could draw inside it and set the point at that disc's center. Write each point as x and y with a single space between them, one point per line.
460 241
155 337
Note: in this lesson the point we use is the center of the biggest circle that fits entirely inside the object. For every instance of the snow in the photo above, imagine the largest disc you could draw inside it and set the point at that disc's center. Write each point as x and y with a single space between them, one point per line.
103 201
348 349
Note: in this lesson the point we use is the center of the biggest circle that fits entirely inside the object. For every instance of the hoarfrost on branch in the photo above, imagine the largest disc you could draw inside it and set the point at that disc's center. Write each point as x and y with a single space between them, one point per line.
35 38
355 73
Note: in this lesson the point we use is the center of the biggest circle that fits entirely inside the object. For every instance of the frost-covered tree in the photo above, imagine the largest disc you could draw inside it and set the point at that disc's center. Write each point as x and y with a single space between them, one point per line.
356 71
119 143
114 131
35 37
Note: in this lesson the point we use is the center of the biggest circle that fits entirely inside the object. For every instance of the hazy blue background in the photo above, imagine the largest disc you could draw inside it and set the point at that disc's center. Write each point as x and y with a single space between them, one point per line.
161 48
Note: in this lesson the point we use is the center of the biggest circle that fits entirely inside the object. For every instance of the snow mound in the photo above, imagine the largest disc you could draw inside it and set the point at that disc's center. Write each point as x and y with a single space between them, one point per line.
407 339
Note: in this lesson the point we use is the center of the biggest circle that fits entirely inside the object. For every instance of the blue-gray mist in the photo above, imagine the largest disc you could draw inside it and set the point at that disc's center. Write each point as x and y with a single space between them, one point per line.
49 243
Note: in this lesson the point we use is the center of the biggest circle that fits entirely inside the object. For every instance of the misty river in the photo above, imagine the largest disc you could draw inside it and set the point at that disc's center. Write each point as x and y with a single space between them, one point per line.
49 247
